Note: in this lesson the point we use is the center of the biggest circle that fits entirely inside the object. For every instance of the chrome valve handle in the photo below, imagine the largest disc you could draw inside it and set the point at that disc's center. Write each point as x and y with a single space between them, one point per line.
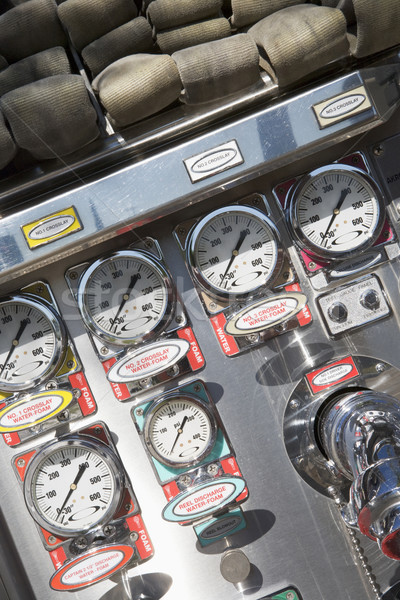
360 433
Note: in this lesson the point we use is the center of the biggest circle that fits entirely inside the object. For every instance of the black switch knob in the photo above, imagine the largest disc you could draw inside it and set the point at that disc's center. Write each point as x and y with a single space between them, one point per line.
337 312
370 299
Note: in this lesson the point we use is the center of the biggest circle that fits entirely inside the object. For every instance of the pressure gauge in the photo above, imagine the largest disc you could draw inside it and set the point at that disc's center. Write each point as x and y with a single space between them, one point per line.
126 297
336 211
180 430
73 485
233 251
32 343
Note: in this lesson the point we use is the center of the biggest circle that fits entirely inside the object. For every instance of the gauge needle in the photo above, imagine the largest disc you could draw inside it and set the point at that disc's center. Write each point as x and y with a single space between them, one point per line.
73 487
180 431
125 297
336 210
235 252
15 343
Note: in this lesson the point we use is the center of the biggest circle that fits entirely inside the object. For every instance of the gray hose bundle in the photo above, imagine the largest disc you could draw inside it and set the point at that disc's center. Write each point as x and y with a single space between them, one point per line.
172 40
164 14
47 63
247 12
8 149
30 28
218 69
51 117
88 20
137 86
299 40
130 38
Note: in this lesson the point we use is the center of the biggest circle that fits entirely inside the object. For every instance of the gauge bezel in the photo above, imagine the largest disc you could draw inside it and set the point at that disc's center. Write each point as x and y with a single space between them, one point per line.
60 336
104 452
153 411
165 317
296 192
195 237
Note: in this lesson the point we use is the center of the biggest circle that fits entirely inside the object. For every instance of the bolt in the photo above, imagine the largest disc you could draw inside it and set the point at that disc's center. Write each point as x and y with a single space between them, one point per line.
51 385
134 536
51 539
290 596
139 412
97 430
379 150
21 462
294 404
81 542
253 338
108 530
379 367
212 306
185 480
256 200
179 319
312 265
103 350
212 469
39 289
63 416
181 230
70 364
197 387
73 275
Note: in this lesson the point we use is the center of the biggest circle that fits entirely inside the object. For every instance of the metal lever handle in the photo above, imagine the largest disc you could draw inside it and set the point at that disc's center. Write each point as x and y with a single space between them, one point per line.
360 433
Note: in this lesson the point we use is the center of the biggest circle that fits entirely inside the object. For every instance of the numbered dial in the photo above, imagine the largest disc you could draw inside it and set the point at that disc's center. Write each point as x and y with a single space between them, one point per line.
73 485
126 297
337 211
180 430
234 251
32 343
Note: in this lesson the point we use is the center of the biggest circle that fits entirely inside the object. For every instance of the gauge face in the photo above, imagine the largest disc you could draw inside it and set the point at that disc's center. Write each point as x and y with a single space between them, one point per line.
234 251
73 486
126 297
337 211
32 342
180 430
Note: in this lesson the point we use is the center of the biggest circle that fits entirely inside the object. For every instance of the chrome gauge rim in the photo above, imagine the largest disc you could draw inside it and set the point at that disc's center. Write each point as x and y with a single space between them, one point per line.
129 308
180 430
336 211
234 251
73 485
33 342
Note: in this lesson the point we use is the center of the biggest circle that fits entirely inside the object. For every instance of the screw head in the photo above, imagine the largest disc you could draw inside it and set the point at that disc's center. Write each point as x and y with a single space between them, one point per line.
81 542
179 319
51 539
181 230
103 350
149 243
290 596
109 530
212 469
185 480
51 385
379 367
70 364
294 404
63 416
21 462
73 275
139 412
134 536
378 150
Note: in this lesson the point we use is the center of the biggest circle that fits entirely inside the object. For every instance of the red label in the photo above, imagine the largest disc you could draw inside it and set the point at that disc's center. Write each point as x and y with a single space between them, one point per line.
11 439
121 391
227 342
58 557
332 374
21 463
195 357
304 316
143 543
230 466
86 401
170 490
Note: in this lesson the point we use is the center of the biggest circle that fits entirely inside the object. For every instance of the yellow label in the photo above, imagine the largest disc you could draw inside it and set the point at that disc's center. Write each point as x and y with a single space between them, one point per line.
33 410
52 227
